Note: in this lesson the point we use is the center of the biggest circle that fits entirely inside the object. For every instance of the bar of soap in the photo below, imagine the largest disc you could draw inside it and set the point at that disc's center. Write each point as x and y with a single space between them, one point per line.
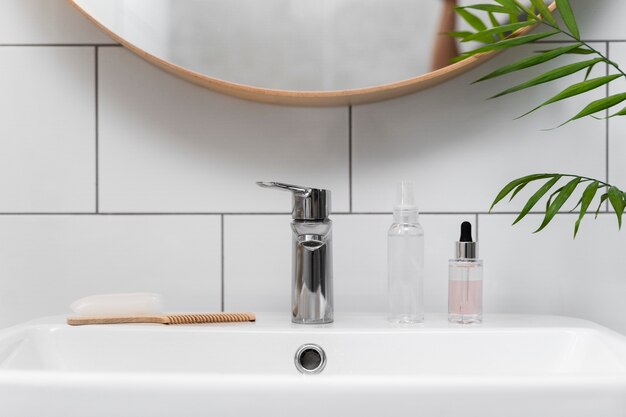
119 304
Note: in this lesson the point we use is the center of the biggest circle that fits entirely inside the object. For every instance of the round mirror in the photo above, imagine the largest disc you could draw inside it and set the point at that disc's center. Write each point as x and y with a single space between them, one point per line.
302 52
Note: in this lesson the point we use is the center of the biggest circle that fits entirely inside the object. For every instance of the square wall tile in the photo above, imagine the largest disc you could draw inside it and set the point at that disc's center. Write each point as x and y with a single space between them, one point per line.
257 261
46 262
600 19
360 260
47 151
46 22
461 149
550 273
169 145
617 125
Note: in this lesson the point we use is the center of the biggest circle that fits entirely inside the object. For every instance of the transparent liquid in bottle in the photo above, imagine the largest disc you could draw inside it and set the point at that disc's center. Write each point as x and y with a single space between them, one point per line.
465 291
406 273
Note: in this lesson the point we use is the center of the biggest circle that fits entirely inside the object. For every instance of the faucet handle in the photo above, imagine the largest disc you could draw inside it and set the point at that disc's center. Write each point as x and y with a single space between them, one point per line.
308 203
283 186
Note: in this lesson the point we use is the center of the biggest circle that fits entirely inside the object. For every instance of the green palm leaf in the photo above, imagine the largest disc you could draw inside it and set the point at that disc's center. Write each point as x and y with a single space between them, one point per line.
511 27
515 183
536 197
588 72
461 34
599 105
492 8
529 62
494 23
473 20
622 112
518 189
565 9
544 12
538 12
551 76
576 89
509 5
577 51
510 42
603 198
585 202
558 190
529 13
558 202
616 198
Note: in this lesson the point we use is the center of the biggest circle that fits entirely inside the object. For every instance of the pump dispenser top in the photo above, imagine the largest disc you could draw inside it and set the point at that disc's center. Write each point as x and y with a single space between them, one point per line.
405 210
405 197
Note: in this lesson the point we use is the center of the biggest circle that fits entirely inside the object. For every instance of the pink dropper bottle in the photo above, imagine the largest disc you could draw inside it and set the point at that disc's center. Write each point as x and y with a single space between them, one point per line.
465 284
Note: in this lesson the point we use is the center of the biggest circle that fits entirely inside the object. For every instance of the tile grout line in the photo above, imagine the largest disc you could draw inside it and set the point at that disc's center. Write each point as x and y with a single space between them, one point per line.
476 239
222 257
97 128
606 125
350 157
583 40
356 213
117 45
56 45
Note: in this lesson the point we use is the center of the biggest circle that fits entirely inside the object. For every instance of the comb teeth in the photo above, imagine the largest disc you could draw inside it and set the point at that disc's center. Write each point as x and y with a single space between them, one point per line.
210 318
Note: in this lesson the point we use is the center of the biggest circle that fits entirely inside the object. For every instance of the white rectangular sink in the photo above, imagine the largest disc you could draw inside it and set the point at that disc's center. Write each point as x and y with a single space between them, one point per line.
510 366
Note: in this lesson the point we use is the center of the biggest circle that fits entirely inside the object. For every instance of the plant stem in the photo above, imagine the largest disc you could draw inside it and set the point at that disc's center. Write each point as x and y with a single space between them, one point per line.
604 184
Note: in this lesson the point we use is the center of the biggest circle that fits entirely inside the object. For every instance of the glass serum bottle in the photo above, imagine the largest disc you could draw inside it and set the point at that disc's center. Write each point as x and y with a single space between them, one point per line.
465 284
405 260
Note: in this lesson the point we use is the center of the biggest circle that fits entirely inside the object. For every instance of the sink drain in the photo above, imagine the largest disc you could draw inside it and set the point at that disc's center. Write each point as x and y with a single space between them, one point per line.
310 359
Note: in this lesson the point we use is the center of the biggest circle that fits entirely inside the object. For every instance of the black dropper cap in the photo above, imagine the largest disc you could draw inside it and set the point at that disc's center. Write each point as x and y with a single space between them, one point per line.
466 248
466 232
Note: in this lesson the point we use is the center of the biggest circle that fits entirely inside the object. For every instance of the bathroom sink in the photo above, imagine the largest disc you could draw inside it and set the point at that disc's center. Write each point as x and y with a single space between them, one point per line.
512 365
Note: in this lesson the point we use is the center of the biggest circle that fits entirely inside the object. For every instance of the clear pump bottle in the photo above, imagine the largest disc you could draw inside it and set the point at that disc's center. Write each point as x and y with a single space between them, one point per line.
405 258
465 284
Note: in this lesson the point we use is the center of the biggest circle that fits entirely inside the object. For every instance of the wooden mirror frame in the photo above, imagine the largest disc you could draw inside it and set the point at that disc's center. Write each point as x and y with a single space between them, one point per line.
311 98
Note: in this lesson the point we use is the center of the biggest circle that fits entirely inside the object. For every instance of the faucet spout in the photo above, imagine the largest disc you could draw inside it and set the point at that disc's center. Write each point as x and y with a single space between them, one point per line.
312 297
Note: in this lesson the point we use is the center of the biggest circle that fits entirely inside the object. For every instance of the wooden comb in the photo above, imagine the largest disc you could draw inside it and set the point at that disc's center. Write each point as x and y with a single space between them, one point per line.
164 319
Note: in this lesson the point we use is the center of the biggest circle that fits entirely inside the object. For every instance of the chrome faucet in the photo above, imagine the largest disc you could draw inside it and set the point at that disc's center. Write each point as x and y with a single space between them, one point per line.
312 256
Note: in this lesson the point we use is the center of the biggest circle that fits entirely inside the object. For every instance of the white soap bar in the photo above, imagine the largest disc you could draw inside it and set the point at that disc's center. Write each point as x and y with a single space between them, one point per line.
119 304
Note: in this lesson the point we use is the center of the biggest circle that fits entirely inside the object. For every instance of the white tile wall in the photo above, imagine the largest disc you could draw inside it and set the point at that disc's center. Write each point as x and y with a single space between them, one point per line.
47 129
45 22
617 125
257 261
552 274
165 146
460 149
46 262
600 19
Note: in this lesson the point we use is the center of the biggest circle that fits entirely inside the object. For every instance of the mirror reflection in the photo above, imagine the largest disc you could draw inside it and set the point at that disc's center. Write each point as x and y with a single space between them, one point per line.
301 45
294 46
